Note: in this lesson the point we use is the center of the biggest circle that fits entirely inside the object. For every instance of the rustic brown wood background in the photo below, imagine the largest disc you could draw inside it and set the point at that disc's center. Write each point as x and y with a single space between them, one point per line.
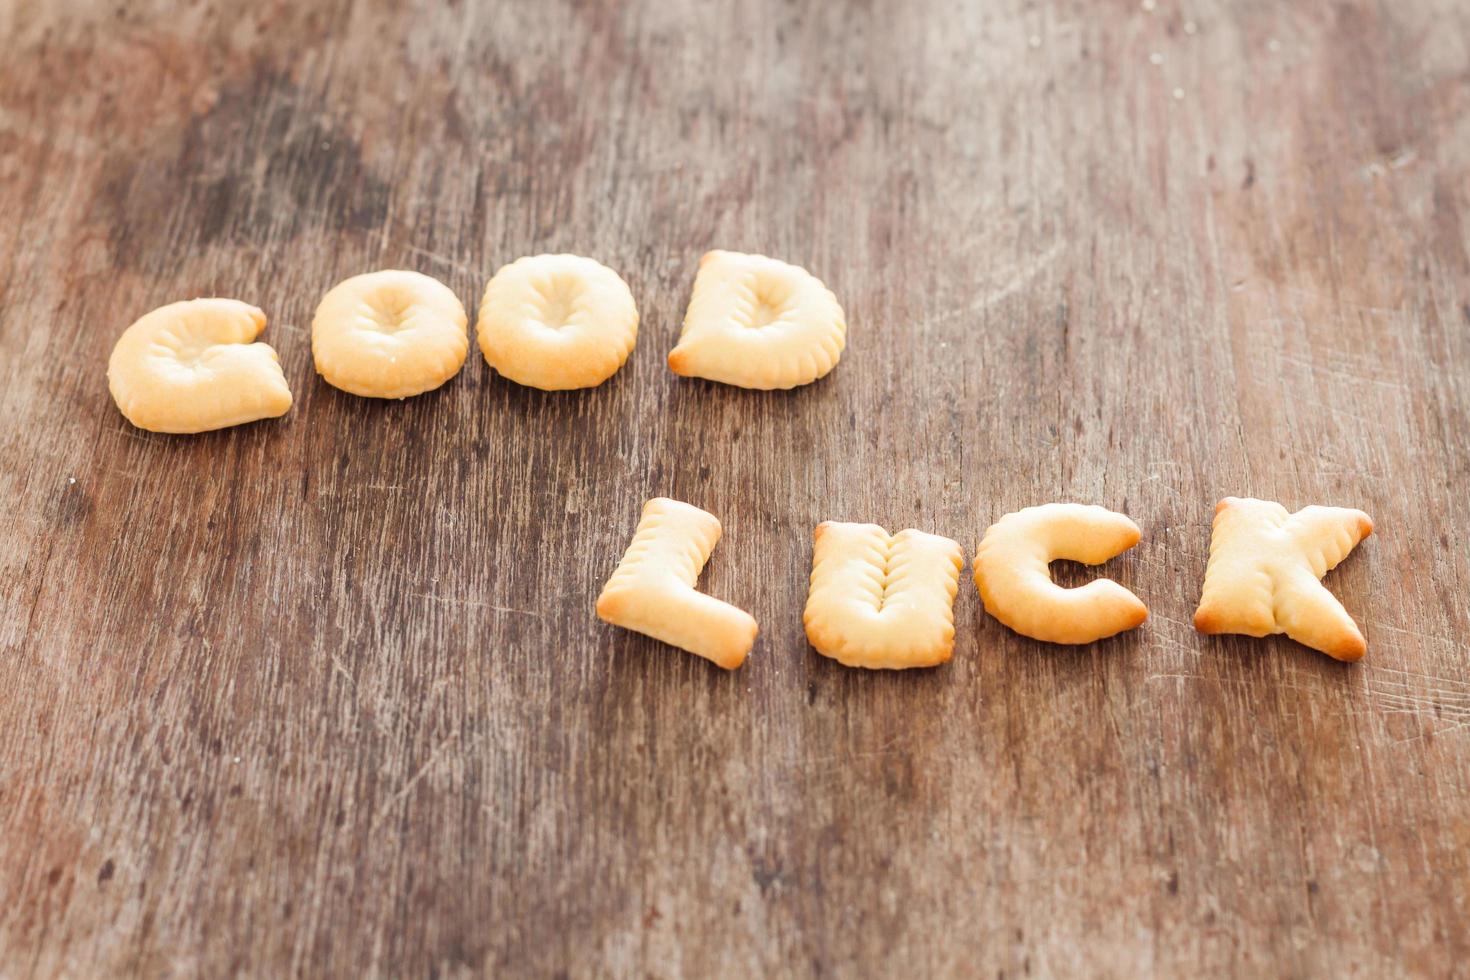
327 696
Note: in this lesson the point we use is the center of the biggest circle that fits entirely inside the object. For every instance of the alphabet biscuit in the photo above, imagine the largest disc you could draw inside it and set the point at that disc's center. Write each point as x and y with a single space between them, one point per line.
652 590
557 322
757 322
1265 570
389 334
192 367
1016 586
882 601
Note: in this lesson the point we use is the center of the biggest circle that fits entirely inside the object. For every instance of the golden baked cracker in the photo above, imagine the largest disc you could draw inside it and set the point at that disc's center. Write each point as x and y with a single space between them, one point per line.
1265 570
557 322
192 367
389 334
879 600
652 590
1015 583
758 322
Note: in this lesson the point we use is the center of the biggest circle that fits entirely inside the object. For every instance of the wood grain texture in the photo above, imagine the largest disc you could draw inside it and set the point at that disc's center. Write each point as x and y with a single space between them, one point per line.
327 696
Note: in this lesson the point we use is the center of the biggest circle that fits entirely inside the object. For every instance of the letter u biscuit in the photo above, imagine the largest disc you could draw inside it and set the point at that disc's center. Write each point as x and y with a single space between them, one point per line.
879 600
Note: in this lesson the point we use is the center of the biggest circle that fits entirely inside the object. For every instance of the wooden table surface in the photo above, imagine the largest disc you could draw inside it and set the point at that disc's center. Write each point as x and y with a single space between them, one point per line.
326 695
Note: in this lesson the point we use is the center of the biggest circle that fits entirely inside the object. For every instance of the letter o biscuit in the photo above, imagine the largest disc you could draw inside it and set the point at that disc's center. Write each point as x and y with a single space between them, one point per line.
192 367
389 334
556 322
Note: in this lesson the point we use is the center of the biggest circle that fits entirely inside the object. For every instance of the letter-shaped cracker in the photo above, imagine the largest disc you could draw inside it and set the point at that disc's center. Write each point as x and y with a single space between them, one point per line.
1016 586
757 322
882 601
1265 570
652 590
389 334
557 321
192 367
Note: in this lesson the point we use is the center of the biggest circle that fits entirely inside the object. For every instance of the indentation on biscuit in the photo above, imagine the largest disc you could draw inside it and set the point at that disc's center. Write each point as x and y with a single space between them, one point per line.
885 574
560 295
184 344
388 311
767 302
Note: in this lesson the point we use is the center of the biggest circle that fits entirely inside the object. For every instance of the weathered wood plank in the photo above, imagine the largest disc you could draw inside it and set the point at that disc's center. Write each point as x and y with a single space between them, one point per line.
327 696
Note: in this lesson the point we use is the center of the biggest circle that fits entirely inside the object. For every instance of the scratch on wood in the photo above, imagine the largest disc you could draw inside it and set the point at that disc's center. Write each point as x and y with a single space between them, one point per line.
1017 281
443 260
400 794
459 601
